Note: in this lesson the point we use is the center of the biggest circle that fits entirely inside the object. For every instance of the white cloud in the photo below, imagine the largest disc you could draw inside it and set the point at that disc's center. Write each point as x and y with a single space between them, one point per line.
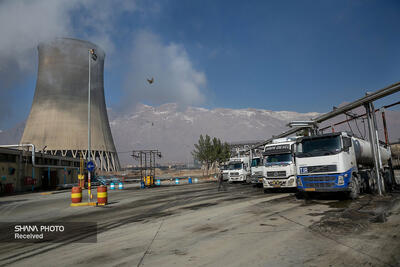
175 78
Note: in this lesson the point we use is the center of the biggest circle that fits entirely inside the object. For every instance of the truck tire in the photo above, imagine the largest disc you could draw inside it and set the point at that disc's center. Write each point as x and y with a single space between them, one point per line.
371 183
299 195
248 180
383 184
267 191
355 189
387 178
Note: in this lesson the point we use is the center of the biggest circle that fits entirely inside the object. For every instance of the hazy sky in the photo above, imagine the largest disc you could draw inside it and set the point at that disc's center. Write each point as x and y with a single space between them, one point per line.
279 55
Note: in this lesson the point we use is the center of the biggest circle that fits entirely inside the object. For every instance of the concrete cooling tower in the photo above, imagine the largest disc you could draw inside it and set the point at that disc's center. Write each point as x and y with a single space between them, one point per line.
58 121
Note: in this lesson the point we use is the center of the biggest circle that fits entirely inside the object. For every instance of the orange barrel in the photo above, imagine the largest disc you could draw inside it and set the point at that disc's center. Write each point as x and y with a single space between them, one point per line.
102 194
76 194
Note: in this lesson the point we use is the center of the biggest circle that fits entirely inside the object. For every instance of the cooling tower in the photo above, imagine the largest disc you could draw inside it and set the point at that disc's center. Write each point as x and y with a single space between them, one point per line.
58 121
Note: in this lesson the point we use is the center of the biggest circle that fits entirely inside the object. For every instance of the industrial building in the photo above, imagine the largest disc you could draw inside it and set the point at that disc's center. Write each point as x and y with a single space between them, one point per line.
58 120
18 174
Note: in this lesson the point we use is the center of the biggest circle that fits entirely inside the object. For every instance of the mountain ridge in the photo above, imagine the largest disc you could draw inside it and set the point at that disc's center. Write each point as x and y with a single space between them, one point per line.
174 131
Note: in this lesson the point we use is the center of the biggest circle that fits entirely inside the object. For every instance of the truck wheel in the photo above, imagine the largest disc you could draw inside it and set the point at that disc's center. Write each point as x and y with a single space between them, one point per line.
387 178
248 180
299 195
355 189
267 191
371 183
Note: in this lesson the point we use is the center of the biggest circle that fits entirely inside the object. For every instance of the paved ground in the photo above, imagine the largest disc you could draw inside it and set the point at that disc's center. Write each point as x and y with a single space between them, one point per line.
196 225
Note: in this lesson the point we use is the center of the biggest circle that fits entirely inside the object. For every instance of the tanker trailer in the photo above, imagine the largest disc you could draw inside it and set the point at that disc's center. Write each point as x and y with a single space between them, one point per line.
336 162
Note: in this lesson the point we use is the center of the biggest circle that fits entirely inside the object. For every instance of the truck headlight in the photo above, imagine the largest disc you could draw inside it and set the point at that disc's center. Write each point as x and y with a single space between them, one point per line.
299 183
340 180
290 182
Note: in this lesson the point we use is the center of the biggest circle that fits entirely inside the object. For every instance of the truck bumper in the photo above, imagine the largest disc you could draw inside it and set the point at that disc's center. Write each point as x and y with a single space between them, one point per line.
289 182
236 179
336 182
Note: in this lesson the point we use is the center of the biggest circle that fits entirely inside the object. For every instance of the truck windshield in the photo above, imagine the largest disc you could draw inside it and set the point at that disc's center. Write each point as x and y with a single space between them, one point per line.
329 145
256 162
278 158
235 166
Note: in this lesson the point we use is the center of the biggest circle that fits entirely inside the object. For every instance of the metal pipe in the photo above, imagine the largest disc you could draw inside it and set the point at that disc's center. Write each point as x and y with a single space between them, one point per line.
385 127
362 115
33 157
364 100
376 135
391 105
373 147
284 134
391 89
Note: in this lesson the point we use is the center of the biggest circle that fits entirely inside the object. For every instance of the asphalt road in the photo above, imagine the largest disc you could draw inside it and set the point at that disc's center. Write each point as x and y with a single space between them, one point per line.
198 226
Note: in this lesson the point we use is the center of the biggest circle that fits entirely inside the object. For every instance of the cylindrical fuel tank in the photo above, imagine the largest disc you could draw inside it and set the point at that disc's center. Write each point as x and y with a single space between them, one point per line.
363 152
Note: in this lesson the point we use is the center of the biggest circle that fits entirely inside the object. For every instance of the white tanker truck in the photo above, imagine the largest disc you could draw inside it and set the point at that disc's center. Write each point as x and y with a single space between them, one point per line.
336 162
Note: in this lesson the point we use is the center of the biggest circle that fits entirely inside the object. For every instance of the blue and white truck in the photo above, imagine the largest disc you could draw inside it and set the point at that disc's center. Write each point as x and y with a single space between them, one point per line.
336 162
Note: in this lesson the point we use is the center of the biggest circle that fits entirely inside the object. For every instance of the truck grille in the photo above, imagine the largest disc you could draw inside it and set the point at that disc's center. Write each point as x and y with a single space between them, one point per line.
321 168
319 179
258 173
234 174
276 174
277 182
320 185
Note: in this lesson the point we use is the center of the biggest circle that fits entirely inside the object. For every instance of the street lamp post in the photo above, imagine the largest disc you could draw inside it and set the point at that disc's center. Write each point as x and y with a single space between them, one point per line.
91 55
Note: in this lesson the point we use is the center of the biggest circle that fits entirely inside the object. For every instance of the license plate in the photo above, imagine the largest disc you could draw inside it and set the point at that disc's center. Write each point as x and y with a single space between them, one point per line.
260 180
277 185
310 189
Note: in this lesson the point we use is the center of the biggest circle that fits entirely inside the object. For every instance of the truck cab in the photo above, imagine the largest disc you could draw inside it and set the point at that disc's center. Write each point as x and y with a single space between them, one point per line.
257 171
239 169
280 164
225 172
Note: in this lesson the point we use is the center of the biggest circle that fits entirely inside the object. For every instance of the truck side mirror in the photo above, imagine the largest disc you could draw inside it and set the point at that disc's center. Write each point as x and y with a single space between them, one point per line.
346 143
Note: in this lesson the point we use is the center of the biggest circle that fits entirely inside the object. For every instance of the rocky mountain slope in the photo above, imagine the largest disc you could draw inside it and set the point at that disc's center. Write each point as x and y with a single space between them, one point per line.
174 131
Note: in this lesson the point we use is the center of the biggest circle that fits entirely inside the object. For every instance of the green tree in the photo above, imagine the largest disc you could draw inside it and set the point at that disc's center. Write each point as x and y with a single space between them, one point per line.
209 151
226 153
